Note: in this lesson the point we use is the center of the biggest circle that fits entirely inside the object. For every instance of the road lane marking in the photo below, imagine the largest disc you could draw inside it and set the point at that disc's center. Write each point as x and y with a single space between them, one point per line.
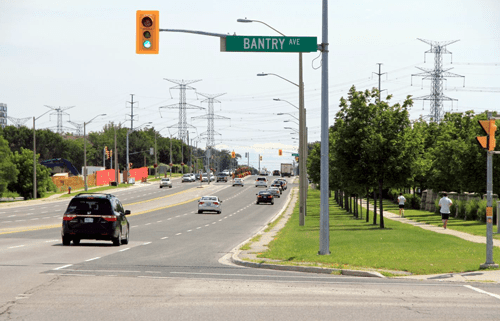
148 224
178 234
135 226
124 249
482 291
146 243
92 259
15 247
62 267
163 238
188 230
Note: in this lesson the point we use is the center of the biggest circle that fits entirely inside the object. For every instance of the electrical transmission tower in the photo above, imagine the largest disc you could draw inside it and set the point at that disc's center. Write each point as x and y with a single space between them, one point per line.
18 122
210 116
436 75
182 125
132 102
59 112
78 126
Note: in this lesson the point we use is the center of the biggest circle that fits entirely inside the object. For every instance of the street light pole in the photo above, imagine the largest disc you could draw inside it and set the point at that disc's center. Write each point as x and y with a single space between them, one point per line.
85 151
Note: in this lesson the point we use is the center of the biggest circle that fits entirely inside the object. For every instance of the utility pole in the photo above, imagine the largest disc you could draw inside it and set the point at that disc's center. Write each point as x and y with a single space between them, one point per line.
379 83
131 102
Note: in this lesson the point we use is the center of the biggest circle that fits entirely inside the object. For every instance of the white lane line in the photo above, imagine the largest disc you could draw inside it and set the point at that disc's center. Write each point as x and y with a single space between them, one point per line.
14 247
148 224
92 259
158 222
128 248
8 222
20 220
178 234
220 220
11 216
44 212
46 217
146 243
169 219
198 227
189 231
34 219
50 241
214 222
482 291
207 225
62 267
163 238
135 226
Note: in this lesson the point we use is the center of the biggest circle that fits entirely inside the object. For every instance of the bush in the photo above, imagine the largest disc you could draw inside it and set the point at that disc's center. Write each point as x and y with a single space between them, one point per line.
471 209
412 201
481 210
461 208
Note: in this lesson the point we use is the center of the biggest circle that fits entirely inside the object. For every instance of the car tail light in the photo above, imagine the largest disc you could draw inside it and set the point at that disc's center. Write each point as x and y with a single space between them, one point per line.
270 196
109 218
68 217
259 196
202 203
215 203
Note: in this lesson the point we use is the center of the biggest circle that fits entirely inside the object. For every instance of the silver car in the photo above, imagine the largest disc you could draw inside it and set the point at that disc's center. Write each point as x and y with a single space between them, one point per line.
165 182
238 182
187 178
275 191
209 203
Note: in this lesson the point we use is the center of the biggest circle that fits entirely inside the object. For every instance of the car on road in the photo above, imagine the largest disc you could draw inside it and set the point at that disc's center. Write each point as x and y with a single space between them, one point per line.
265 196
95 216
276 173
238 182
165 182
221 177
278 185
275 191
261 181
209 203
187 178
283 183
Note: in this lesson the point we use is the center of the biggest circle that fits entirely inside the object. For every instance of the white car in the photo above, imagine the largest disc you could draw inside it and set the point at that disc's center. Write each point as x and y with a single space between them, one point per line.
238 182
275 191
165 182
209 203
261 181
187 178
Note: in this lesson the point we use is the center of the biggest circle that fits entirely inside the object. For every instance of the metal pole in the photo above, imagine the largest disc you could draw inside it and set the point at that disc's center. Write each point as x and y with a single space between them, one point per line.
324 238
156 158
489 208
34 160
85 156
116 160
301 145
128 162
170 164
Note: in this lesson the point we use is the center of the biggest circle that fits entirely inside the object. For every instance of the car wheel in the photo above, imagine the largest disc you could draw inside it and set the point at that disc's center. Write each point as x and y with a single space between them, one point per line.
257 203
219 212
199 212
272 203
161 186
170 186
66 240
117 240
76 241
125 241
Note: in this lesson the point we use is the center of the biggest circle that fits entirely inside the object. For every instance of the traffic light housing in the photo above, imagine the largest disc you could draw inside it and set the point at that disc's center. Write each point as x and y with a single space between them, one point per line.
147 38
111 153
260 157
233 154
487 142
280 152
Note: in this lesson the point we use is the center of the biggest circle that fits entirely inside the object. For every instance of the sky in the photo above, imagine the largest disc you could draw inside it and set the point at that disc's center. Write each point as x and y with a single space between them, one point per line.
81 54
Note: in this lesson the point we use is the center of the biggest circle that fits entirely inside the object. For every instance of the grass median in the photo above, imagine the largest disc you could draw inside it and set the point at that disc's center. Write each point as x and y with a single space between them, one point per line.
355 244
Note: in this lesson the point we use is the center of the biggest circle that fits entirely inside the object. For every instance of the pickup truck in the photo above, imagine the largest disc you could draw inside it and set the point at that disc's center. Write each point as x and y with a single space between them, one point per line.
222 178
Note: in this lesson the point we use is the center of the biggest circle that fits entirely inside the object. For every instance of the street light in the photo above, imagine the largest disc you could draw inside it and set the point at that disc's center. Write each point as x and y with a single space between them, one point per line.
302 127
128 133
281 114
85 150
289 120
296 131
34 155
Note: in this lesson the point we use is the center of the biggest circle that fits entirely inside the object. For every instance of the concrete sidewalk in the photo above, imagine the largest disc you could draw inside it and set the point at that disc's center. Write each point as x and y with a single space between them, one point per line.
249 257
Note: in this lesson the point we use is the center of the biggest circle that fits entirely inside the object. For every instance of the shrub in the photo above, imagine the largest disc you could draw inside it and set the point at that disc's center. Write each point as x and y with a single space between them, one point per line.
412 201
436 207
471 209
481 211
461 208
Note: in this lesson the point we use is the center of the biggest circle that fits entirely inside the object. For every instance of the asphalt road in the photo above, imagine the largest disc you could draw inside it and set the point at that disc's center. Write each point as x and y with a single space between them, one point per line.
176 268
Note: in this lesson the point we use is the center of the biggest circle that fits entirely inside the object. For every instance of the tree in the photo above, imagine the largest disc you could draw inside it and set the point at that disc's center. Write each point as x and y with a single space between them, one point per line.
24 184
8 170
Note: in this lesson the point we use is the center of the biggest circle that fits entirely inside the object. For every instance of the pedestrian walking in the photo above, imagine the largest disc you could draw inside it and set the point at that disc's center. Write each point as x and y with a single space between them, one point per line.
444 204
401 200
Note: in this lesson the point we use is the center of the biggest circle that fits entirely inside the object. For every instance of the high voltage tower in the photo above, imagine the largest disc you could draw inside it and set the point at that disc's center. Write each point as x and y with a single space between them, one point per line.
18 122
59 112
78 126
132 102
210 116
182 125
436 75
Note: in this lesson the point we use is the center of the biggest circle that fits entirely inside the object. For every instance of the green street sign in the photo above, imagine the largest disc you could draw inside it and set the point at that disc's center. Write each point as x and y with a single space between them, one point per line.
296 155
268 44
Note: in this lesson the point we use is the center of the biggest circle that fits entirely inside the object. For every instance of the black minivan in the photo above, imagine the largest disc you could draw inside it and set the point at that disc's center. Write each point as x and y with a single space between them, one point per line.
95 216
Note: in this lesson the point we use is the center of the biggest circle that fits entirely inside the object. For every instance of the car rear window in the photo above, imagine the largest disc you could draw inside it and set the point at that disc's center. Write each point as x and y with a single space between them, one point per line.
261 178
89 206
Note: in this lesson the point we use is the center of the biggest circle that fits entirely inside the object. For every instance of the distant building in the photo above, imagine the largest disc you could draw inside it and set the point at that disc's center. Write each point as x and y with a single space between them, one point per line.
3 115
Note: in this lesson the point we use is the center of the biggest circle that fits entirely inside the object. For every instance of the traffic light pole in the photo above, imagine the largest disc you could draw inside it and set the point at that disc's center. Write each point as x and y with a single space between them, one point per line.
489 203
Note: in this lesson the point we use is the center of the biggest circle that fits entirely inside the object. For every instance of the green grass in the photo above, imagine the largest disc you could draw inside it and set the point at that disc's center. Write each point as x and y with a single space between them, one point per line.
457 224
355 244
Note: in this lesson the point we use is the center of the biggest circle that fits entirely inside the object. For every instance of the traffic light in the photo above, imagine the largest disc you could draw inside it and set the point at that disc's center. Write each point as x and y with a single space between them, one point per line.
280 152
233 154
147 36
296 159
260 157
488 142
130 165
111 153
106 151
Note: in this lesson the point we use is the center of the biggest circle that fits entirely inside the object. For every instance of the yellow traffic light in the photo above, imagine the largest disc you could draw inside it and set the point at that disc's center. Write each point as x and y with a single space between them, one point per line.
489 127
111 153
280 152
260 157
233 154
296 158
147 36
